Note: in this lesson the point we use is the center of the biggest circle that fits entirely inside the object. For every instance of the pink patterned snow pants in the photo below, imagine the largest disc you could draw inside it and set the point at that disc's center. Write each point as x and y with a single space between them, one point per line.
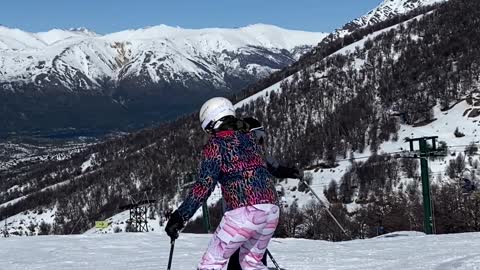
248 228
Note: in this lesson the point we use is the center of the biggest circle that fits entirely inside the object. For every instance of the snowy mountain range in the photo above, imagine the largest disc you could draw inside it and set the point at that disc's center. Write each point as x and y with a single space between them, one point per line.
79 58
139 71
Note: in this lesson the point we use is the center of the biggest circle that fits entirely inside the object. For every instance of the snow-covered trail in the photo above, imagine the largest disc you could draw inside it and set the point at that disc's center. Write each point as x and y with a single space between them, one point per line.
150 251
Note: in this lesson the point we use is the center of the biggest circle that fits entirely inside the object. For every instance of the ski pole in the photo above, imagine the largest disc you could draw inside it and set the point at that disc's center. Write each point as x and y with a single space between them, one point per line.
326 208
273 260
172 245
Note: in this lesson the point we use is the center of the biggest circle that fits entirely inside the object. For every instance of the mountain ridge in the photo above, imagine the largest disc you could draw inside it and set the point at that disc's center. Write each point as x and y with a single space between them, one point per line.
385 10
131 44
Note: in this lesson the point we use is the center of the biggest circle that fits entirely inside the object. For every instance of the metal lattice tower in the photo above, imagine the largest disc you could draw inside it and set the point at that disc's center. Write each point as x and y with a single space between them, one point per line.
138 207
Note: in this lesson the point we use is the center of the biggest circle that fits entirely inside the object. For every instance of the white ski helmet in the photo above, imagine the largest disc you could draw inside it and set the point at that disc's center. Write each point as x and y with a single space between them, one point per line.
213 110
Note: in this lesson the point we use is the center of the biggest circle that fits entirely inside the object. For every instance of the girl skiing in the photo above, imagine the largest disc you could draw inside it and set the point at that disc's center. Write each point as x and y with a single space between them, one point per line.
232 158
274 167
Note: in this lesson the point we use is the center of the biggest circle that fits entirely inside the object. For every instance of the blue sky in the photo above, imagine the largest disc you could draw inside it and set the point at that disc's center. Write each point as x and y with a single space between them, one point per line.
106 16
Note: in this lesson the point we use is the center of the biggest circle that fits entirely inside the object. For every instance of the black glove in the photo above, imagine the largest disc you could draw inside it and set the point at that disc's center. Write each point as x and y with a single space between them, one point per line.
174 225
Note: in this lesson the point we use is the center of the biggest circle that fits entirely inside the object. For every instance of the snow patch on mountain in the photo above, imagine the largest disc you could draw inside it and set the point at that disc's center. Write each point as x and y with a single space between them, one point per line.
88 164
56 35
28 222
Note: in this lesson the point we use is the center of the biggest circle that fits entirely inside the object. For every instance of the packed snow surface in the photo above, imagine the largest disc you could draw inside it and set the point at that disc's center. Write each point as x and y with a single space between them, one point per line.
145 251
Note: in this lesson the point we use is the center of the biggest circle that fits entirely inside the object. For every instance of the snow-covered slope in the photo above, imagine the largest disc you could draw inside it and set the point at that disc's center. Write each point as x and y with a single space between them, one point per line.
16 39
219 39
391 8
406 251
28 223
81 59
387 9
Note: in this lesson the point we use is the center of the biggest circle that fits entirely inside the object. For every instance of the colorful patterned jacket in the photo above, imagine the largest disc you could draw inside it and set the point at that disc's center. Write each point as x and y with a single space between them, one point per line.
233 159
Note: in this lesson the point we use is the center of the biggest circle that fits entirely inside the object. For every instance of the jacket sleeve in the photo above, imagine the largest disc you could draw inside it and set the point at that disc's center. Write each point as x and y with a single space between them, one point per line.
209 172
